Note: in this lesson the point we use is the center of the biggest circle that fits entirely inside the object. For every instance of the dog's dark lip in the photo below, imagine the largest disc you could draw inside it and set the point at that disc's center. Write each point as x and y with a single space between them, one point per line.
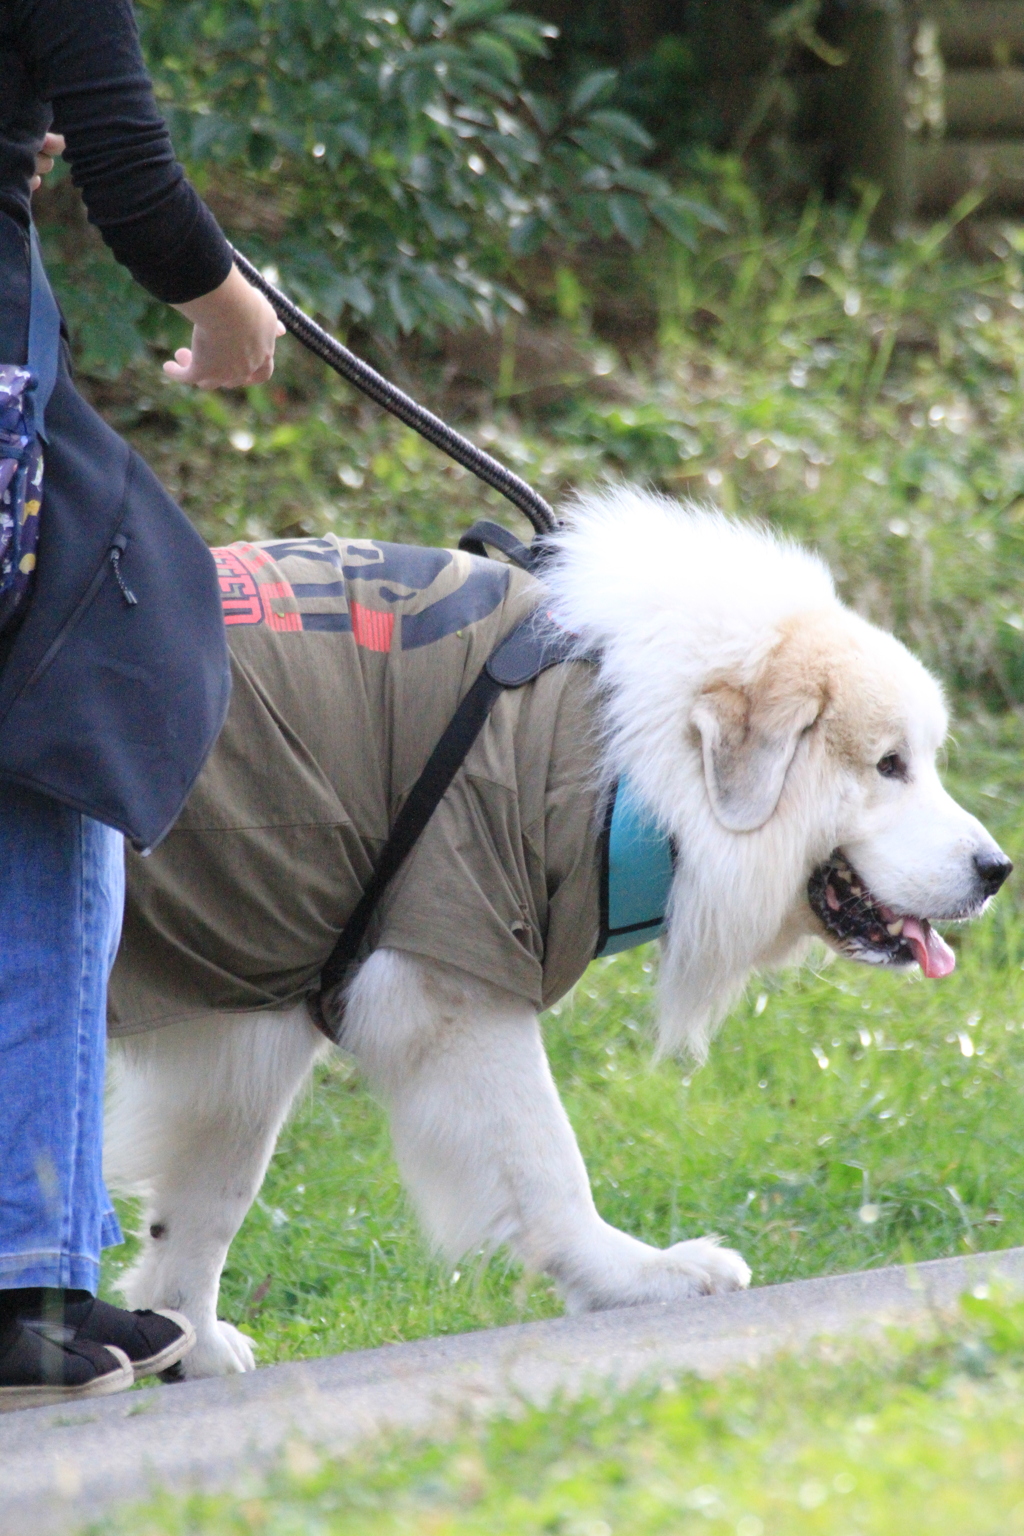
865 929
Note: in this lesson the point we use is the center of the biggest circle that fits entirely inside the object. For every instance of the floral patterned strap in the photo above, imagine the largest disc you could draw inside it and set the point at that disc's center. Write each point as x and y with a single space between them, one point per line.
21 489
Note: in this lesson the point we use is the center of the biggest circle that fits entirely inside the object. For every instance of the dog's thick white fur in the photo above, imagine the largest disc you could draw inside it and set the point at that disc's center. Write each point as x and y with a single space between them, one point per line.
766 726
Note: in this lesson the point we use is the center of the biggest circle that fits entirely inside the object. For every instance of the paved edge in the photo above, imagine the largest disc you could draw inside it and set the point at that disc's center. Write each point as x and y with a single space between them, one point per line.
63 1466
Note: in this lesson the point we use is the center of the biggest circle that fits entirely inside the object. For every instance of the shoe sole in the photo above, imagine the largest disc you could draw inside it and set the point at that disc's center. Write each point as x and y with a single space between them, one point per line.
175 1351
100 1386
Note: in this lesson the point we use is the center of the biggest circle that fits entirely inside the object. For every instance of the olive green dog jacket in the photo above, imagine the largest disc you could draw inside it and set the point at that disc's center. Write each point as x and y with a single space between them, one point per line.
349 658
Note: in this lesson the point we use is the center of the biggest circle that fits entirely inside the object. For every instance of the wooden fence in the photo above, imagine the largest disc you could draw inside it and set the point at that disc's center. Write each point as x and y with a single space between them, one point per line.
928 104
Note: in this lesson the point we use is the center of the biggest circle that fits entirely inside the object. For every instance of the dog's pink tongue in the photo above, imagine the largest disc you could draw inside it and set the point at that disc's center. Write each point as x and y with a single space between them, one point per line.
931 951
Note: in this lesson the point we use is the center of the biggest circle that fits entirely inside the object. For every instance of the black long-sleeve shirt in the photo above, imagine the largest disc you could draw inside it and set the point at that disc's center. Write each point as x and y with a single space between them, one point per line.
76 66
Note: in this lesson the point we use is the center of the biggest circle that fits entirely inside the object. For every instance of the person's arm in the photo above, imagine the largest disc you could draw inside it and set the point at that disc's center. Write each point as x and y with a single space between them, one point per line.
86 60
231 335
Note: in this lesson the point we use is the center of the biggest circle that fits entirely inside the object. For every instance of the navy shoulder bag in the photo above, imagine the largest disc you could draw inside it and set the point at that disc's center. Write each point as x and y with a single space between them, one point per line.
116 682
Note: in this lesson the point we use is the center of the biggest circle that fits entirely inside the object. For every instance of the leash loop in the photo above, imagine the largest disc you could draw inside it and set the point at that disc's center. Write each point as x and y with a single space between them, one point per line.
475 541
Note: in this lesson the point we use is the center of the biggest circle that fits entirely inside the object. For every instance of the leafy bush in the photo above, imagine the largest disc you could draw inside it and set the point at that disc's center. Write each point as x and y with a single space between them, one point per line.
388 159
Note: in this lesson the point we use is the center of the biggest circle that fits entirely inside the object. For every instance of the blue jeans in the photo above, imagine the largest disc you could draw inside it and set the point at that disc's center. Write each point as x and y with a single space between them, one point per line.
61 900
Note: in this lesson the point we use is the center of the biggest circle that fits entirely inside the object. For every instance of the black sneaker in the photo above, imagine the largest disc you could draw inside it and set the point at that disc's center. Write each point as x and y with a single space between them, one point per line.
152 1341
36 1370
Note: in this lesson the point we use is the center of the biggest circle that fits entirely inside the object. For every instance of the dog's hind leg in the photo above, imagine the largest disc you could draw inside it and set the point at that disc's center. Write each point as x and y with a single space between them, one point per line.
485 1147
194 1114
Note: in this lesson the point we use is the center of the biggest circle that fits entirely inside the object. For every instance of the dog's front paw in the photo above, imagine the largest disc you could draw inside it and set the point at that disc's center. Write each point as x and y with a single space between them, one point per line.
632 1273
711 1269
220 1350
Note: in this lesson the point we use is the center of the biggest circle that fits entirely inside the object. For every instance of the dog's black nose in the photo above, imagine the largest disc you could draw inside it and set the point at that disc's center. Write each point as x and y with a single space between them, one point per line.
993 869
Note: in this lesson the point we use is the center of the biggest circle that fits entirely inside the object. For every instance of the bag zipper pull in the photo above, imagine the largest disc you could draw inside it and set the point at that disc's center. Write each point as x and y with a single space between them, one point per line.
115 560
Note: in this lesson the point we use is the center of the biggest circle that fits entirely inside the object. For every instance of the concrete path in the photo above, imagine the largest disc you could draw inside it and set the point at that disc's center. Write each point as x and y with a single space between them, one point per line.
60 1467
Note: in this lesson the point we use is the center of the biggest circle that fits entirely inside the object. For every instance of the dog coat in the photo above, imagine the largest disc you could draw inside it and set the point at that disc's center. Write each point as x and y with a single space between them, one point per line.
349 658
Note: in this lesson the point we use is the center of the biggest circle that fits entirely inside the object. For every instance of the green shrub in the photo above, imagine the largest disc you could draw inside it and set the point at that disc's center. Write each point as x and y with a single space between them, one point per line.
387 159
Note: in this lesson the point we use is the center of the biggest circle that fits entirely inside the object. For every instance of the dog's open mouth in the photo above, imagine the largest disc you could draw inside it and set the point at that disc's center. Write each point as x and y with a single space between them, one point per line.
864 929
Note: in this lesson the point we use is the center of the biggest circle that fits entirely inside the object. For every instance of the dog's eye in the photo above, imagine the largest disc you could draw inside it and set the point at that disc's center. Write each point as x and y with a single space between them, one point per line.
892 766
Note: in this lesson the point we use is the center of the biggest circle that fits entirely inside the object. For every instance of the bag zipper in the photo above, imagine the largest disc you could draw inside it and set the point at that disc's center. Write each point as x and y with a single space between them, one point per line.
111 562
114 554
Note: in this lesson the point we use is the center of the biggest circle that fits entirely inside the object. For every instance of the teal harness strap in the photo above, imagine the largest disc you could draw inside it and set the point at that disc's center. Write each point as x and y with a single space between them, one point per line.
638 862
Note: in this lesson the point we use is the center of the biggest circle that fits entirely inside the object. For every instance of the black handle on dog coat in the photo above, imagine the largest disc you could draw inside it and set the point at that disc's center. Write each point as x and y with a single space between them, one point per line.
532 647
423 799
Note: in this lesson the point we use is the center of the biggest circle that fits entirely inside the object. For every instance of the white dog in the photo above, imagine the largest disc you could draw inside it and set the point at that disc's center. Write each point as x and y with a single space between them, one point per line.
787 745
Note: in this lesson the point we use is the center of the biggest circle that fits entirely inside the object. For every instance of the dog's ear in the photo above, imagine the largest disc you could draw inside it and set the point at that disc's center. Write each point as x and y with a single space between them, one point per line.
749 736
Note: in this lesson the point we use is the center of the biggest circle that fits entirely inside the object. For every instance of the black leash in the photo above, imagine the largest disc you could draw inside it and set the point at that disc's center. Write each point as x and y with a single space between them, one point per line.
395 400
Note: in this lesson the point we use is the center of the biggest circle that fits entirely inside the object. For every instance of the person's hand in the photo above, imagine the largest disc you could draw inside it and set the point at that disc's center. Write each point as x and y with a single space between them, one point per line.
234 330
52 145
